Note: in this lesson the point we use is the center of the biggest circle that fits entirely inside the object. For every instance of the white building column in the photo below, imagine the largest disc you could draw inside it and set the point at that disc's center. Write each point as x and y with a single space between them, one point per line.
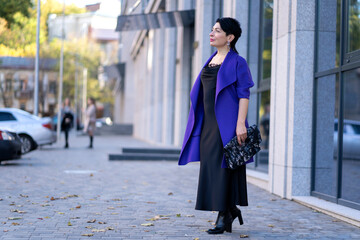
169 80
185 39
291 97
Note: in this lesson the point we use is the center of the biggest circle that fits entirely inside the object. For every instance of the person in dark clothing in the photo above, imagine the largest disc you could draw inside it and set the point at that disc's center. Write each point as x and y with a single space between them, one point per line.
219 105
67 120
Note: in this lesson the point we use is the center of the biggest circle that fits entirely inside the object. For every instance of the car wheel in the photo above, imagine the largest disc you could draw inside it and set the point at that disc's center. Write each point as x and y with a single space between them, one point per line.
26 144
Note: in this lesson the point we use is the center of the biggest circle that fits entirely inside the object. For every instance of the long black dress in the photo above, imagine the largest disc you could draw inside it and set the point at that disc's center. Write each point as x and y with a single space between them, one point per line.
219 188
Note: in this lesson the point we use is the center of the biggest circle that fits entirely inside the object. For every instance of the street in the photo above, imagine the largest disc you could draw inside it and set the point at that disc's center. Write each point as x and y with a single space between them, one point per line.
77 193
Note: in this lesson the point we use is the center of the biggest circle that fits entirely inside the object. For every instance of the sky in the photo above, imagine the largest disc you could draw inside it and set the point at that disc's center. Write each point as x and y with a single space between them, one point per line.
108 7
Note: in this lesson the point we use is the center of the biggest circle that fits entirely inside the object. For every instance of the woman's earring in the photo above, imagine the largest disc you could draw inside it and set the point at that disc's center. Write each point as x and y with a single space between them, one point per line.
228 43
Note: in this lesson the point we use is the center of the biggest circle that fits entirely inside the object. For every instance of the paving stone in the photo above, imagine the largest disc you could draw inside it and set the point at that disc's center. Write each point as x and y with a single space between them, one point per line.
62 187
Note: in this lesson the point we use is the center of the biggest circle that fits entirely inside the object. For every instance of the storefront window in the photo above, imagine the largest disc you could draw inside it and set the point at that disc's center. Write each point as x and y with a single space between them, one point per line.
326 134
354 25
351 138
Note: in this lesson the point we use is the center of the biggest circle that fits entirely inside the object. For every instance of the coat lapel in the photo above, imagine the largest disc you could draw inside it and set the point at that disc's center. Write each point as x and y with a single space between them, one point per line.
227 72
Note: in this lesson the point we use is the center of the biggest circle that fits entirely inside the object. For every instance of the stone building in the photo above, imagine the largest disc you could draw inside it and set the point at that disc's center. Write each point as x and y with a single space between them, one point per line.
303 57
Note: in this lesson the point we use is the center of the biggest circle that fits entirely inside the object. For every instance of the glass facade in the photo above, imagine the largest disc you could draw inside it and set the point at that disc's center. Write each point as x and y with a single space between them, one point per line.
336 151
264 80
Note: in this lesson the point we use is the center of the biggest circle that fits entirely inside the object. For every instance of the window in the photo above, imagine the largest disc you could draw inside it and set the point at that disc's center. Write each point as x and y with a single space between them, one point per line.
336 150
5 116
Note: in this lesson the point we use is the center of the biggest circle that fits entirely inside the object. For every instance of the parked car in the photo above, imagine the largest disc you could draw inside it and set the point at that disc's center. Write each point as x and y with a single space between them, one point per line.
351 139
10 145
32 130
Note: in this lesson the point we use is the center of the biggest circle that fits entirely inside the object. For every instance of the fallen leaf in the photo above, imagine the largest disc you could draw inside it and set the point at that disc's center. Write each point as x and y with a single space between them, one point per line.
78 206
14 218
87 234
151 202
178 215
132 226
91 175
190 215
15 224
5 230
69 223
1 199
116 199
47 217
114 213
170 194
102 222
189 201
270 225
97 213
40 218
259 206
196 238
61 213
244 236
98 230
89 227
3 222
45 205
147 224
53 199
91 221
24 196
12 204
273 199
109 228
146 230
75 218
210 220
111 208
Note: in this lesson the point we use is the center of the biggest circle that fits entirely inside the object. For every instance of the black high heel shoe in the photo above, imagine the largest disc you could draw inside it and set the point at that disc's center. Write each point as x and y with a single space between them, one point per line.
223 223
236 213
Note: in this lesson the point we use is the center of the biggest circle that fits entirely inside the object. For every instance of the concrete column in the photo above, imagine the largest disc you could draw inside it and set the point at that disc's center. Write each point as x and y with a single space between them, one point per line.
169 80
239 9
291 97
159 85
185 39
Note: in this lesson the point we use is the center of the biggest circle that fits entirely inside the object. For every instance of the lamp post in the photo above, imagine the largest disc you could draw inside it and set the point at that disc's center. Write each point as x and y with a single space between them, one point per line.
36 87
61 75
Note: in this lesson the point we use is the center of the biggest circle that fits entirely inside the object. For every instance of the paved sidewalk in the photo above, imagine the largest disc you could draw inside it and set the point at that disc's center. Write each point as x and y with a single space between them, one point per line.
56 193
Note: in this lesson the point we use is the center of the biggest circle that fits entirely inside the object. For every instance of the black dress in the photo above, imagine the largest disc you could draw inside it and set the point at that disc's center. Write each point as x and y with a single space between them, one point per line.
219 188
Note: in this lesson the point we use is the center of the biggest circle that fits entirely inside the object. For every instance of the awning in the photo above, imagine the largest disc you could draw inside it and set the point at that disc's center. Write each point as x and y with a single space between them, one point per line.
155 20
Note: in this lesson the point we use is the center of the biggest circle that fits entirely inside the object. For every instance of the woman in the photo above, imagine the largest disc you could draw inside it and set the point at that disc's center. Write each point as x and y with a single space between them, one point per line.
90 119
67 119
219 105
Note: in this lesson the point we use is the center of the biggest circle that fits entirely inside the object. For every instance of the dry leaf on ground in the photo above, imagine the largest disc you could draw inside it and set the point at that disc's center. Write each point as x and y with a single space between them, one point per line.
91 221
244 236
87 234
170 194
14 218
98 230
69 223
147 224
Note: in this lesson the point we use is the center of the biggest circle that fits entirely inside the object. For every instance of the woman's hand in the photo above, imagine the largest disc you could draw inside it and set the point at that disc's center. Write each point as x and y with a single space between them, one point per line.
241 133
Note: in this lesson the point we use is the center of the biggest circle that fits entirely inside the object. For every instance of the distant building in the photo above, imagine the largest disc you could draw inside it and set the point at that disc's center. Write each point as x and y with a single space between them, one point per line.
17 84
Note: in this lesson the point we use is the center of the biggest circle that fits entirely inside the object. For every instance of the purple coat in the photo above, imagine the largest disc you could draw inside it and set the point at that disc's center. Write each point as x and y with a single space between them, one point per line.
233 82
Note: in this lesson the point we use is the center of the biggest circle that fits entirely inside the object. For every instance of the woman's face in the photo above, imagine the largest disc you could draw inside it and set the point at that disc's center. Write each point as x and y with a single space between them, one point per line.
218 37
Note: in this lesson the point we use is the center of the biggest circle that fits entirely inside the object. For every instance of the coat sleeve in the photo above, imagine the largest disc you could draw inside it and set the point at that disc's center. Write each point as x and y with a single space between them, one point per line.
243 79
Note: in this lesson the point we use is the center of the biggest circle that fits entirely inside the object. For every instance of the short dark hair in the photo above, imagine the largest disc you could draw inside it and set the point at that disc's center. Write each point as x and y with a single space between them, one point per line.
231 26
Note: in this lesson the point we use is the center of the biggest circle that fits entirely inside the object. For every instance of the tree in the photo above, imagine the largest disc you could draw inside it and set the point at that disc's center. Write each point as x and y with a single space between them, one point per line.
10 7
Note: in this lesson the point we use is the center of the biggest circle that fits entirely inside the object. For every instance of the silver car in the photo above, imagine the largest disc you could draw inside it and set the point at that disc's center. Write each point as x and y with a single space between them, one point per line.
33 131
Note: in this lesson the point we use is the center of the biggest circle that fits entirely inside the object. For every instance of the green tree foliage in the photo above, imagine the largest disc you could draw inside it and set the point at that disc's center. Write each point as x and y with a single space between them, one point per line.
19 40
9 8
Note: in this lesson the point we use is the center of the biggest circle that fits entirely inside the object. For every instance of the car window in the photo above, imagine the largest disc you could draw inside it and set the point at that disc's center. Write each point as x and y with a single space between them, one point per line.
356 129
5 116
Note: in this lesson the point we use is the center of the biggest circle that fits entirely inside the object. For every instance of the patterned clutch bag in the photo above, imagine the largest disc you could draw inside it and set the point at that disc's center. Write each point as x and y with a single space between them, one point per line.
237 155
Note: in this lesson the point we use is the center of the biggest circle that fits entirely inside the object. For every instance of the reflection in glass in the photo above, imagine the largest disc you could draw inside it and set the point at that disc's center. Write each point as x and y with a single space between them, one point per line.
328 35
354 25
264 126
326 135
267 38
351 138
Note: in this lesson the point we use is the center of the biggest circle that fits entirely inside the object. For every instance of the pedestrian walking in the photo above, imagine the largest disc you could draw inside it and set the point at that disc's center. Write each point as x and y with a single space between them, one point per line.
67 120
90 120
219 105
